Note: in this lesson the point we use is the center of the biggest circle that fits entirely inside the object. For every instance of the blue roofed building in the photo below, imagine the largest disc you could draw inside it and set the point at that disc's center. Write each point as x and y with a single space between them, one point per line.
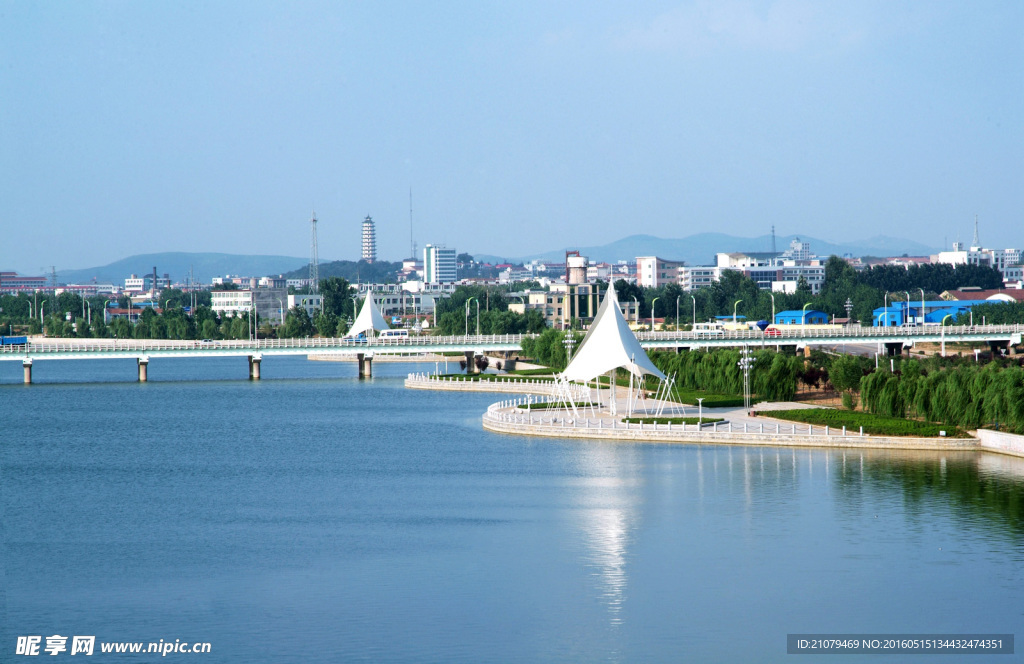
800 317
934 311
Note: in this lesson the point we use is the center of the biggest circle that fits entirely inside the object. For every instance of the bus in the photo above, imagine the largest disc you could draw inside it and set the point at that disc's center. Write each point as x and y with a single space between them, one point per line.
394 334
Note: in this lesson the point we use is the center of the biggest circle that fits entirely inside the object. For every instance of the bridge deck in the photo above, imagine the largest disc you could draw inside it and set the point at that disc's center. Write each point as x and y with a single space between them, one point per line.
80 349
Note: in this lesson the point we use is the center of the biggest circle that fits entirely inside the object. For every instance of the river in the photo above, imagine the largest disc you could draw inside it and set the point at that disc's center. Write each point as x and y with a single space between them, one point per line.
314 517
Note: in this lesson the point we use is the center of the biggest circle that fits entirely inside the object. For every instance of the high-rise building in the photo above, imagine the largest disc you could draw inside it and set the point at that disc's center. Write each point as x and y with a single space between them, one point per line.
369 240
439 265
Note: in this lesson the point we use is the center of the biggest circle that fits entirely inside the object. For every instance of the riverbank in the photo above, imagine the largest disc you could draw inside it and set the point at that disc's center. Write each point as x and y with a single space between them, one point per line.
737 428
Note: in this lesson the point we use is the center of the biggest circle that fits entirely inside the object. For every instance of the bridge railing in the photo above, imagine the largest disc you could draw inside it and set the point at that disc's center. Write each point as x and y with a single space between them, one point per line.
838 333
312 343
483 341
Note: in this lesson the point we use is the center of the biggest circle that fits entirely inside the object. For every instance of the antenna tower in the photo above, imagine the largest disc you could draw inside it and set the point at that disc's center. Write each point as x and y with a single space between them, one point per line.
977 242
314 260
412 242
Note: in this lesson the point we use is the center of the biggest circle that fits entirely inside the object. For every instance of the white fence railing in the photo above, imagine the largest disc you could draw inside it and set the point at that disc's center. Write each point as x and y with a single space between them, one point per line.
497 342
511 411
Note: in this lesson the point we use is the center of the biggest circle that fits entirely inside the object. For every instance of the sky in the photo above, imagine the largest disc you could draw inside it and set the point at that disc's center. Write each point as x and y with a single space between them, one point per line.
519 127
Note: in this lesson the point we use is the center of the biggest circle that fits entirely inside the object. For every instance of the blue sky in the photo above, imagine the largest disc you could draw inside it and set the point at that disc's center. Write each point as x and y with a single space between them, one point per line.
136 127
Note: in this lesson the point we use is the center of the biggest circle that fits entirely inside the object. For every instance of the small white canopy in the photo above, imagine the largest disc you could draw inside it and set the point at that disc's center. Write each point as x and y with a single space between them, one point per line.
609 344
369 319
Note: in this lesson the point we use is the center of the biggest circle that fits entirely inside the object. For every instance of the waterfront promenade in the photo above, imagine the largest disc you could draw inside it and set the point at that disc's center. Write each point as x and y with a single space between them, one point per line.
737 426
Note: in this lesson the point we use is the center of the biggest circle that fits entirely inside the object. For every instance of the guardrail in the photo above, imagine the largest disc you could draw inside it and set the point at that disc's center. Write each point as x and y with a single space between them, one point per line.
509 412
502 341
838 333
312 343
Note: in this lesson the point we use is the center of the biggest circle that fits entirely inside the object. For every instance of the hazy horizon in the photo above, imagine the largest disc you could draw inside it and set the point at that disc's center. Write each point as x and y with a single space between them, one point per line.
134 128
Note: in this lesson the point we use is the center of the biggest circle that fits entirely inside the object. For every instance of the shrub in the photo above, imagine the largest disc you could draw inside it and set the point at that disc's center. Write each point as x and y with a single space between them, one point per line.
879 425
671 420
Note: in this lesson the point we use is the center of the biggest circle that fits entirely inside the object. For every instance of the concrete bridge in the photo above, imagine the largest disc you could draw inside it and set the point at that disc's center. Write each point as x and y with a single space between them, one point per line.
894 340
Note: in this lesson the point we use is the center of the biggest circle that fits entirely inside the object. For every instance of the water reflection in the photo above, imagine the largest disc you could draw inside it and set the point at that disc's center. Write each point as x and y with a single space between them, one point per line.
982 489
608 516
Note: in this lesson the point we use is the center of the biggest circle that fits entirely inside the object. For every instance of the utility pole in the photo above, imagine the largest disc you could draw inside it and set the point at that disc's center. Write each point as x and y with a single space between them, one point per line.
314 260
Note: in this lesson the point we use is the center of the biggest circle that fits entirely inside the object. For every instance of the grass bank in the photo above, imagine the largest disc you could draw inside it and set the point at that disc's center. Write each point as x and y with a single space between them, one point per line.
878 425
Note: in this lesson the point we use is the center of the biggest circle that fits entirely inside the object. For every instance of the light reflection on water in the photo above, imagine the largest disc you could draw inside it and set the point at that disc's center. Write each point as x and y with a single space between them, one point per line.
316 517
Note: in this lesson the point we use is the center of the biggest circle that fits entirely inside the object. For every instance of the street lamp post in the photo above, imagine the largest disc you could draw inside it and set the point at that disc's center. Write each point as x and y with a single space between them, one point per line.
677 312
942 351
922 305
746 363
700 411
885 309
471 298
772 295
734 305
281 310
652 313
636 312
905 318
694 298
568 341
803 316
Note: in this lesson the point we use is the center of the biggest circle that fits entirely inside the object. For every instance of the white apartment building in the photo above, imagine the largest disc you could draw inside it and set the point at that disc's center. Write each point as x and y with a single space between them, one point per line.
653 272
311 302
268 302
137 284
698 276
439 265
599 272
997 258
231 302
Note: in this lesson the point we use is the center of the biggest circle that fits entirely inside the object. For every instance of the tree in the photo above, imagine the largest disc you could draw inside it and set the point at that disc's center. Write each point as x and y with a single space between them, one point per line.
209 329
297 324
337 299
326 323
845 373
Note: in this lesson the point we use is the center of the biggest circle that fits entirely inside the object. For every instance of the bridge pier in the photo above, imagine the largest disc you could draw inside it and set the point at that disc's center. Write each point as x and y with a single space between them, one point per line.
143 369
471 362
365 362
26 364
254 366
996 346
894 348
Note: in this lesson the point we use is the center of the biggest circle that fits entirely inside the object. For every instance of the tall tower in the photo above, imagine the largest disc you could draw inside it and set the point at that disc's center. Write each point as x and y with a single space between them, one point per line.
314 260
369 240
977 242
412 242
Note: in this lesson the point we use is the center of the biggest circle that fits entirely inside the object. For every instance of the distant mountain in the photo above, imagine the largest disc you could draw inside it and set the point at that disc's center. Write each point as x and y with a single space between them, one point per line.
176 264
352 271
700 249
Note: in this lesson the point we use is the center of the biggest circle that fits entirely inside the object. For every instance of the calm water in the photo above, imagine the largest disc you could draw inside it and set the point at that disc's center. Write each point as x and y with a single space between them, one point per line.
313 517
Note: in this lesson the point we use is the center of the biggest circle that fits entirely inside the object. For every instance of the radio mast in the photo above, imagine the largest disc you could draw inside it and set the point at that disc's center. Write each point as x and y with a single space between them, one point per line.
314 260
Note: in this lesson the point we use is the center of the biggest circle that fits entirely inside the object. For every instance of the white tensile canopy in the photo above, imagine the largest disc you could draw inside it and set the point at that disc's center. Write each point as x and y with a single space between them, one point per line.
609 344
369 319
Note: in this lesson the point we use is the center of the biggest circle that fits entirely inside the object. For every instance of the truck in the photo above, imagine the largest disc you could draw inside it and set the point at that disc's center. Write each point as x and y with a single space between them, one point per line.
13 341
